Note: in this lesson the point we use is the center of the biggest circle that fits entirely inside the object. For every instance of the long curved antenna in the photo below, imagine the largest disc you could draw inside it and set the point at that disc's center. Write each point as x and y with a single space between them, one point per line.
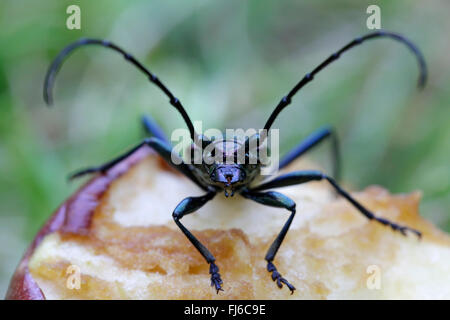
56 64
286 100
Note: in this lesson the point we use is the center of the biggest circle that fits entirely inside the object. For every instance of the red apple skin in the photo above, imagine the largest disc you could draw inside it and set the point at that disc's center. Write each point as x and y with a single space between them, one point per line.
73 216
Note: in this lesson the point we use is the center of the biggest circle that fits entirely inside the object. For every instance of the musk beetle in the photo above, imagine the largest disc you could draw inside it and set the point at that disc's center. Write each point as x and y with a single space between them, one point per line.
238 176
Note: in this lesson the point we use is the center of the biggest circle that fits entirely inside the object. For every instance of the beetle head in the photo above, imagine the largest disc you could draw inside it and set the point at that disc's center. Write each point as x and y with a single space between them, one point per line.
228 165
228 177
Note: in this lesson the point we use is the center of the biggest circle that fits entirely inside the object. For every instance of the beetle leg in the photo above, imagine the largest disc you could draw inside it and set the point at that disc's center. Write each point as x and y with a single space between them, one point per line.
187 206
299 177
162 148
152 128
275 199
310 142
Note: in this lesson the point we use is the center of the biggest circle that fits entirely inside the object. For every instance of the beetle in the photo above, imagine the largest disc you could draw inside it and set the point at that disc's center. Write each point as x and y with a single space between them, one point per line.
240 175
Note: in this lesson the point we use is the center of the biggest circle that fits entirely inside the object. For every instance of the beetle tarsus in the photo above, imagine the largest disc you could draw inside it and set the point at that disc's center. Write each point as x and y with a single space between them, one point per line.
276 276
402 229
216 281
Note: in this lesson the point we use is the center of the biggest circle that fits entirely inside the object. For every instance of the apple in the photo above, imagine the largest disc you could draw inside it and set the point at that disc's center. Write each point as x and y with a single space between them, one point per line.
115 239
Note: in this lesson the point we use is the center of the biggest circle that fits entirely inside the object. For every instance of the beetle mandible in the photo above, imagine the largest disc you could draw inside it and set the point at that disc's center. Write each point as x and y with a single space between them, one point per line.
239 175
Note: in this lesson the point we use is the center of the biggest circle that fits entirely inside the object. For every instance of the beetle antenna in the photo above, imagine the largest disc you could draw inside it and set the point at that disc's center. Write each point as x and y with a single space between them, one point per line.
286 100
56 64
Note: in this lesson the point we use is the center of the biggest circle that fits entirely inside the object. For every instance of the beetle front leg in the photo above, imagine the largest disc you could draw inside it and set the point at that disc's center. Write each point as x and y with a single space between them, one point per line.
162 148
187 206
275 199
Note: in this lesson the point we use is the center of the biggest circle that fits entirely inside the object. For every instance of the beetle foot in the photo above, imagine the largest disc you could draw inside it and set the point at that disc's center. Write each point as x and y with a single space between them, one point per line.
216 281
276 276
396 227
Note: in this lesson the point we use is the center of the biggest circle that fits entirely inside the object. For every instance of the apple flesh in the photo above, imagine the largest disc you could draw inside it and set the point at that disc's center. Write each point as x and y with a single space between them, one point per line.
115 239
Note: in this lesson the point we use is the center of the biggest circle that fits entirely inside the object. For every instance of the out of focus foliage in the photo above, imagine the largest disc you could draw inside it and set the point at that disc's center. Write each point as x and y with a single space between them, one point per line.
229 62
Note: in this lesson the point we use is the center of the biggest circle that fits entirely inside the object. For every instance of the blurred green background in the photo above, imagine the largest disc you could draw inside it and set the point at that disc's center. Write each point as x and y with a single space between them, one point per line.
229 62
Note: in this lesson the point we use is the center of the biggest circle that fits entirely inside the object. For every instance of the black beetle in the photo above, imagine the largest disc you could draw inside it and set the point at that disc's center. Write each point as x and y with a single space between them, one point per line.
239 175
